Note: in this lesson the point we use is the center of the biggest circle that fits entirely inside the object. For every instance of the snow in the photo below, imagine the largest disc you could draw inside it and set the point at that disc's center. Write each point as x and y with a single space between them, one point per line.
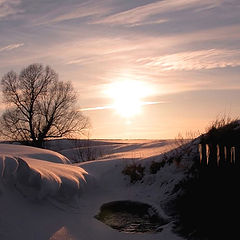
31 152
39 173
112 149
43 196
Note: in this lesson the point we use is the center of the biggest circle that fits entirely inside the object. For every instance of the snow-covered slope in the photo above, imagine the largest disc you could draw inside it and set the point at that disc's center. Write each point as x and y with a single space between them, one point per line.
85 150
70 195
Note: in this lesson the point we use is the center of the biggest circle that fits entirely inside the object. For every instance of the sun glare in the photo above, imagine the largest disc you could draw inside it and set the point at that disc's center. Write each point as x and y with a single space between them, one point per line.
128 96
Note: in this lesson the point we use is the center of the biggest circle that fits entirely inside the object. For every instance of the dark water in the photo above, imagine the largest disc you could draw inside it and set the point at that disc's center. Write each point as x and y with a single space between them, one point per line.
130 217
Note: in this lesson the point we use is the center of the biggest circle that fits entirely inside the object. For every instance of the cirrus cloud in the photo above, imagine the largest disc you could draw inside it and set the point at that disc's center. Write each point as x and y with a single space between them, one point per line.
139 14
9 7
11 47
194 60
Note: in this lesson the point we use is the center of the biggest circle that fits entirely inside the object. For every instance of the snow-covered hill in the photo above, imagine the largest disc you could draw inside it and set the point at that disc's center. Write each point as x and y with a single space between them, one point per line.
44 196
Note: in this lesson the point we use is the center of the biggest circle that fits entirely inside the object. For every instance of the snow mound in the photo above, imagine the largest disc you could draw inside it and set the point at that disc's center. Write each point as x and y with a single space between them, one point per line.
40 179
32 152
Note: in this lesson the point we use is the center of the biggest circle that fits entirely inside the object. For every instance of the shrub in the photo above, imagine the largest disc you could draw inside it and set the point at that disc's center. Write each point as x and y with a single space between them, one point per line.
134 171
156 166
222 122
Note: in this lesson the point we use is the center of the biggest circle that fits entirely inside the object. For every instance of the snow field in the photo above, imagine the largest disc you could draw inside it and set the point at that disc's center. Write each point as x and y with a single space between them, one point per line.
70 195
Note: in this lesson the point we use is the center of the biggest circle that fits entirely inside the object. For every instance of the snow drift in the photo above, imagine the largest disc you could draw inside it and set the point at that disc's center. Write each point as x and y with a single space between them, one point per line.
39 173
32 152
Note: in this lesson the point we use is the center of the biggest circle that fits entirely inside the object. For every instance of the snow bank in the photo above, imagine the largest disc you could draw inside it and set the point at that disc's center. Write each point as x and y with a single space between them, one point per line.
39 173
32 152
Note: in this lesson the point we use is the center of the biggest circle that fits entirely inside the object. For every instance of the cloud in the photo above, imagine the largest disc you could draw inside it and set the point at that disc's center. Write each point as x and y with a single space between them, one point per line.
112 106
96 108
141 13
72 11
9 7
11 47
83 10
161 52
99 49
194 60
158 21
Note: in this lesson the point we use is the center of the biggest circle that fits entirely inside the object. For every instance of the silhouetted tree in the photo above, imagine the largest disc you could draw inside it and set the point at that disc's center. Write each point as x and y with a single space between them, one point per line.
39 106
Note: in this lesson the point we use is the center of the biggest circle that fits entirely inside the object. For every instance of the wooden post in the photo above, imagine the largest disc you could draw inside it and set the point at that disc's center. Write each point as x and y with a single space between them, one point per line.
221 153
213 155
232 155
228 155
203 155
237 156
200 153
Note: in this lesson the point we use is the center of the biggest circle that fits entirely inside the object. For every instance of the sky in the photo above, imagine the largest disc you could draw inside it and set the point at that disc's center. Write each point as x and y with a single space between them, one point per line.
141 68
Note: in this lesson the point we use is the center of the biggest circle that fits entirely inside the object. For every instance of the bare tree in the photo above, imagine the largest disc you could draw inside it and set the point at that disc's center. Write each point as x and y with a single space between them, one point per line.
39 106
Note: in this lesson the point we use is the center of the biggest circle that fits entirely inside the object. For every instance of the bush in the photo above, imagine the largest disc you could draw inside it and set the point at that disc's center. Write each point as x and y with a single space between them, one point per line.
134 171
156 166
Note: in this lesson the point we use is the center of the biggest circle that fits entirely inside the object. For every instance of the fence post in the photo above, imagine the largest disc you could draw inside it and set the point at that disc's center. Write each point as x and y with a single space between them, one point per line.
221 155
203 155
232 155
228 155
213 155
237 156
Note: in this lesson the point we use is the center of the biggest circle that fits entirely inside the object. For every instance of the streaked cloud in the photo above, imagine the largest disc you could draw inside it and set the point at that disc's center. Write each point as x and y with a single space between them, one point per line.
82 10
112 106
150 22
9 7
96 108
70 12
195 60
97 50
11 47
140 14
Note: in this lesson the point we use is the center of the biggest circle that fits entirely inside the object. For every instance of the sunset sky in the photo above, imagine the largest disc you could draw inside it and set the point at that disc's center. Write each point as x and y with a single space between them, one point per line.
142 68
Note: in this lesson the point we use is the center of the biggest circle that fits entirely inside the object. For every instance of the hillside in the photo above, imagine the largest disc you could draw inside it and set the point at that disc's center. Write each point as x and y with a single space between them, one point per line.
43 196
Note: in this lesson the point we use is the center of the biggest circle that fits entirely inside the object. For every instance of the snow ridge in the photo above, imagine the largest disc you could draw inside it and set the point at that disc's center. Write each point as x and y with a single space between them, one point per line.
40 179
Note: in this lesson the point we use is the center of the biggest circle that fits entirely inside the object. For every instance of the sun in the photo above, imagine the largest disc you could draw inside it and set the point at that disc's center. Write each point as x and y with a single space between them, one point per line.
127 96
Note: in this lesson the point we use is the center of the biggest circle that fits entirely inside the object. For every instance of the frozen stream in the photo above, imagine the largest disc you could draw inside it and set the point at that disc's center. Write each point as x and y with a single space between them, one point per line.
131 217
